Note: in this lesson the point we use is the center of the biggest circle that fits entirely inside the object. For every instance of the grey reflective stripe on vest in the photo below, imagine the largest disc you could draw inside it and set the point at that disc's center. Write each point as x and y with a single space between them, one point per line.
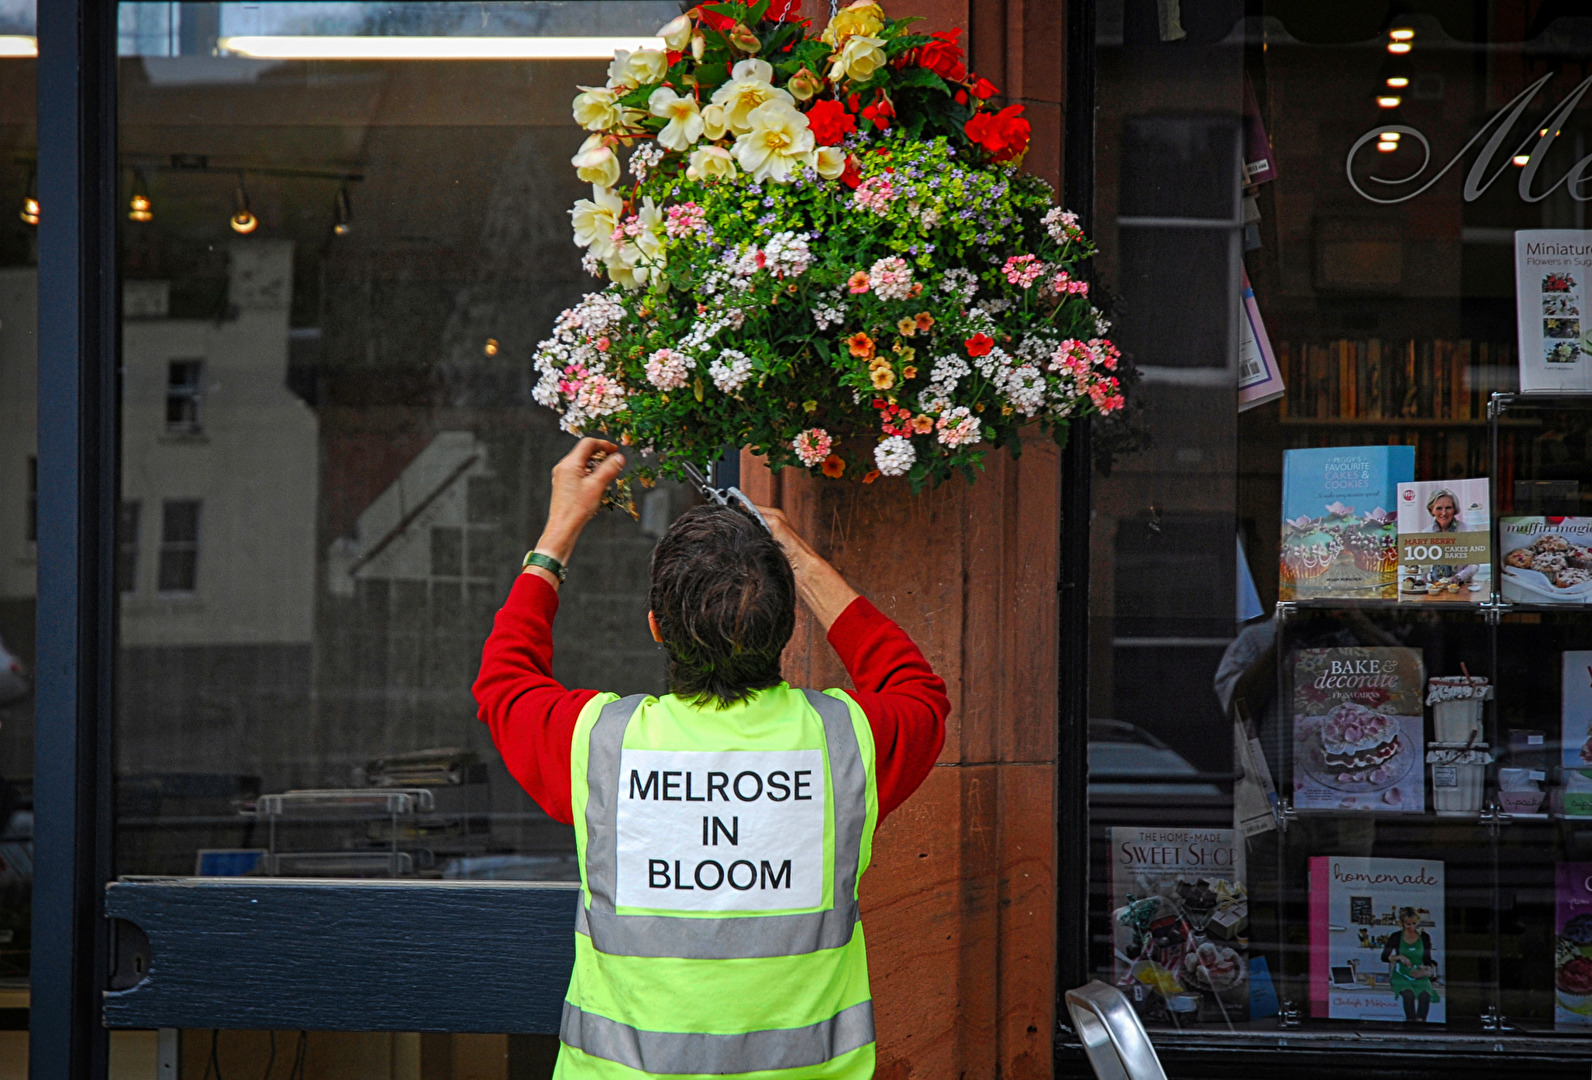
734 937
667 1052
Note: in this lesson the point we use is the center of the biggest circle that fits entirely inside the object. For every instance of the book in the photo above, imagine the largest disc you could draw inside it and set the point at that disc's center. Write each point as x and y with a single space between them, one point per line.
1575 723
1339 534
1260 377
1572 946
1445 541
1359 909
1545 559
1553 325
1180 922
1358 722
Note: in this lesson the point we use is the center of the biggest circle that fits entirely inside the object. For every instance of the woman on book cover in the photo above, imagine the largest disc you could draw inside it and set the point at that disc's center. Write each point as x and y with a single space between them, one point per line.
1444 508
1409 950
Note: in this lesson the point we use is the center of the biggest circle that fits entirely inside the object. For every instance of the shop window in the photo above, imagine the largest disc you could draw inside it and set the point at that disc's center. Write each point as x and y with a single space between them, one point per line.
127 546
179 546
183 378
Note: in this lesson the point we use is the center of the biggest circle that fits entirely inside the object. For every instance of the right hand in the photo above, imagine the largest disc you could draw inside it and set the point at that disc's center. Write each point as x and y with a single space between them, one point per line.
578 489
820 585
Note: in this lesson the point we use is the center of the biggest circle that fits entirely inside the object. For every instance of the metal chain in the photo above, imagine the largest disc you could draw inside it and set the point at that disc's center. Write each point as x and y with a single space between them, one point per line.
834 9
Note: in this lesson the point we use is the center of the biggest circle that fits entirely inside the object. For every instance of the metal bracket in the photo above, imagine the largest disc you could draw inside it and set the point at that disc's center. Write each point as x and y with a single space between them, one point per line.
1285 812
1286 609
1499 404
1493 1020
1288 1016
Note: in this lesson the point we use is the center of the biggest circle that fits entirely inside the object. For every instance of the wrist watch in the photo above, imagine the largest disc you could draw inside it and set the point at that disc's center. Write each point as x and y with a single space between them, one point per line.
546 562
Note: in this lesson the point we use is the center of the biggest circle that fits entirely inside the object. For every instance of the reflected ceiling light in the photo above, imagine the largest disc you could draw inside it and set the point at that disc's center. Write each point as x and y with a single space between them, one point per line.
1389 101
1521 159
433 48
491 346
18 45
1387 146
342 214
139 207
1402 33
1398 82
30 201
243 220
1398 48
1391 136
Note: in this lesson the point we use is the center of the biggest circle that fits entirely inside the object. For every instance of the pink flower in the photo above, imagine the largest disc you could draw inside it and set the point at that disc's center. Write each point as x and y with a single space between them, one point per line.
958 426
858 282
683 220
1064 285
666 369
812 446
891 278
875 193
1023 270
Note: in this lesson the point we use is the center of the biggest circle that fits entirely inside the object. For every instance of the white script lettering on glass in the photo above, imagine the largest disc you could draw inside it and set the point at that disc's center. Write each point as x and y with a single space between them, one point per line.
721 831
1489 165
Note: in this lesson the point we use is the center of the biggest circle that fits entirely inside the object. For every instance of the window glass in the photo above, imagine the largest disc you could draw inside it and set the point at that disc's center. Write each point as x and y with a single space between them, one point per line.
19 492
335 272
1335 770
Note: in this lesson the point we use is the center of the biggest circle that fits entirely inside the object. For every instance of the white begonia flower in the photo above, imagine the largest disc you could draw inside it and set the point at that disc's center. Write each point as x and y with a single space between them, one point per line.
676 33
777 140
619 74
647 66
595 220
750 86
597 108
714 122
857 59
711 163
699 46
831 162
635 262
598 166
685 122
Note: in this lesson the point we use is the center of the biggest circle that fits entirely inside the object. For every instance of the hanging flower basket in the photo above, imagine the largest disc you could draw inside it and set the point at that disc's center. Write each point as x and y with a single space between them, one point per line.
825 251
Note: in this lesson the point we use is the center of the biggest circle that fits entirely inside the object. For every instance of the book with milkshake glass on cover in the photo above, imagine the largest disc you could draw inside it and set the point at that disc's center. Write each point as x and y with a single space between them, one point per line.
1358 725
1339 528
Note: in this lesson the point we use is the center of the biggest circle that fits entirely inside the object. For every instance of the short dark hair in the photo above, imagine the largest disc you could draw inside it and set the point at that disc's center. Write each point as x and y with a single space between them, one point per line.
725 601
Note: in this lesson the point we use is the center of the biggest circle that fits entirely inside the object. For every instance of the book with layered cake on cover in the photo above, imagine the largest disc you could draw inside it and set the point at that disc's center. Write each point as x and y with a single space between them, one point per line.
1358 720
1572 947
1376 939
1339 529
1180 922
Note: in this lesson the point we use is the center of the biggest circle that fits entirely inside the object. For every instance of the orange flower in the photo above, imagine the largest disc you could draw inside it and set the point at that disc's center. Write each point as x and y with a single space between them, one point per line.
871 476
860 344
923 423
858 282
834 465
916 290
883 378
907 326
909 372
924 321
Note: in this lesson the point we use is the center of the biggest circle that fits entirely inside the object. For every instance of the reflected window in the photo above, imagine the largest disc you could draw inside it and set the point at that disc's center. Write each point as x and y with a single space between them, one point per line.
182 396
179 546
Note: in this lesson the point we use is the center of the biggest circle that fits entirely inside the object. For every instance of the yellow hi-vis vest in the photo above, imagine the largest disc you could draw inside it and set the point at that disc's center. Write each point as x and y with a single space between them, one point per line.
720 851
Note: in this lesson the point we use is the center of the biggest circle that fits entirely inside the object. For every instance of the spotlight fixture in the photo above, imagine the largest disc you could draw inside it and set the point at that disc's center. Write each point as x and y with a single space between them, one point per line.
342 214
139 207
1398 82
1391 136
1399 48
1388 101
1520 159
30 201
1387 146
1402 33
243 219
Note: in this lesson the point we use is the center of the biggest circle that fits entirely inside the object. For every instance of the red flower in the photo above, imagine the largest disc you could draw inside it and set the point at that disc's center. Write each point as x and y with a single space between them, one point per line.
830 122
674 57
1003 135
983 88
979 345
943 56
713 20
784 11
961 97
880 112
853 174
852 102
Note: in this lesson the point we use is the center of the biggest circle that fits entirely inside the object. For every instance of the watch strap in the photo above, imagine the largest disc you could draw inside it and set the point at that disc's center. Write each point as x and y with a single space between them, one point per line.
546 562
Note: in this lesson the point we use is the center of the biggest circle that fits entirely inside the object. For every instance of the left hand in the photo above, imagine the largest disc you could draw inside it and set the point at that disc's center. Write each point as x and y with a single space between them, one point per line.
578 488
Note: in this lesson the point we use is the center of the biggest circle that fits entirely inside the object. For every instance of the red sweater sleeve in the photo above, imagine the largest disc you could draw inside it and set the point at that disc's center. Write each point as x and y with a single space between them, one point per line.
902 697
532 717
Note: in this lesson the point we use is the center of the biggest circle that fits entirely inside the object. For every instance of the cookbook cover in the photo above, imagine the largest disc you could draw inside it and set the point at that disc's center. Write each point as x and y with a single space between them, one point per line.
1545 560
1180 922
1339 531
1572 947
1376 939
1358 725
1575 718
1445 541
1552 268
1259 376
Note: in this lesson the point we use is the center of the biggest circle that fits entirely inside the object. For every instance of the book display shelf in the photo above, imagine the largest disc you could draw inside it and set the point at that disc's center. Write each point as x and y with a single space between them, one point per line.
1427 866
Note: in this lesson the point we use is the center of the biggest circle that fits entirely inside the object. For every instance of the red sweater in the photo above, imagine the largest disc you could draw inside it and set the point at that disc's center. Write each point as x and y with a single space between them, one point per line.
532 717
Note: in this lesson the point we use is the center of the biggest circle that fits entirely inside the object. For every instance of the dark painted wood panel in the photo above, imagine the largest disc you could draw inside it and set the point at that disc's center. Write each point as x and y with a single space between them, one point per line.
346 956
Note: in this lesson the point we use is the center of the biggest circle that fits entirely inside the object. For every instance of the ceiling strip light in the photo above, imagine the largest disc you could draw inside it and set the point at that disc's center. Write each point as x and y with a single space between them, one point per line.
433 48
18 45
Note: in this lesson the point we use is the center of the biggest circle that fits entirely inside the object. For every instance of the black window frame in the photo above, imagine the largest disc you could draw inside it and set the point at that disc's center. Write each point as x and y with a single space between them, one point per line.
185 396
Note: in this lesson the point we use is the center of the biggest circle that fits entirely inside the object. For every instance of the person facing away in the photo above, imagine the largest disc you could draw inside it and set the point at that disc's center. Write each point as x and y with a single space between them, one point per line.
722 829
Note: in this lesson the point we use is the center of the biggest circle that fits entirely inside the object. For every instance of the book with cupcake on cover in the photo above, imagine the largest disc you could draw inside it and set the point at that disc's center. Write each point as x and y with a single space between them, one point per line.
1358 720
1546 559
1180 923
1339 529
1376 939
1572 947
